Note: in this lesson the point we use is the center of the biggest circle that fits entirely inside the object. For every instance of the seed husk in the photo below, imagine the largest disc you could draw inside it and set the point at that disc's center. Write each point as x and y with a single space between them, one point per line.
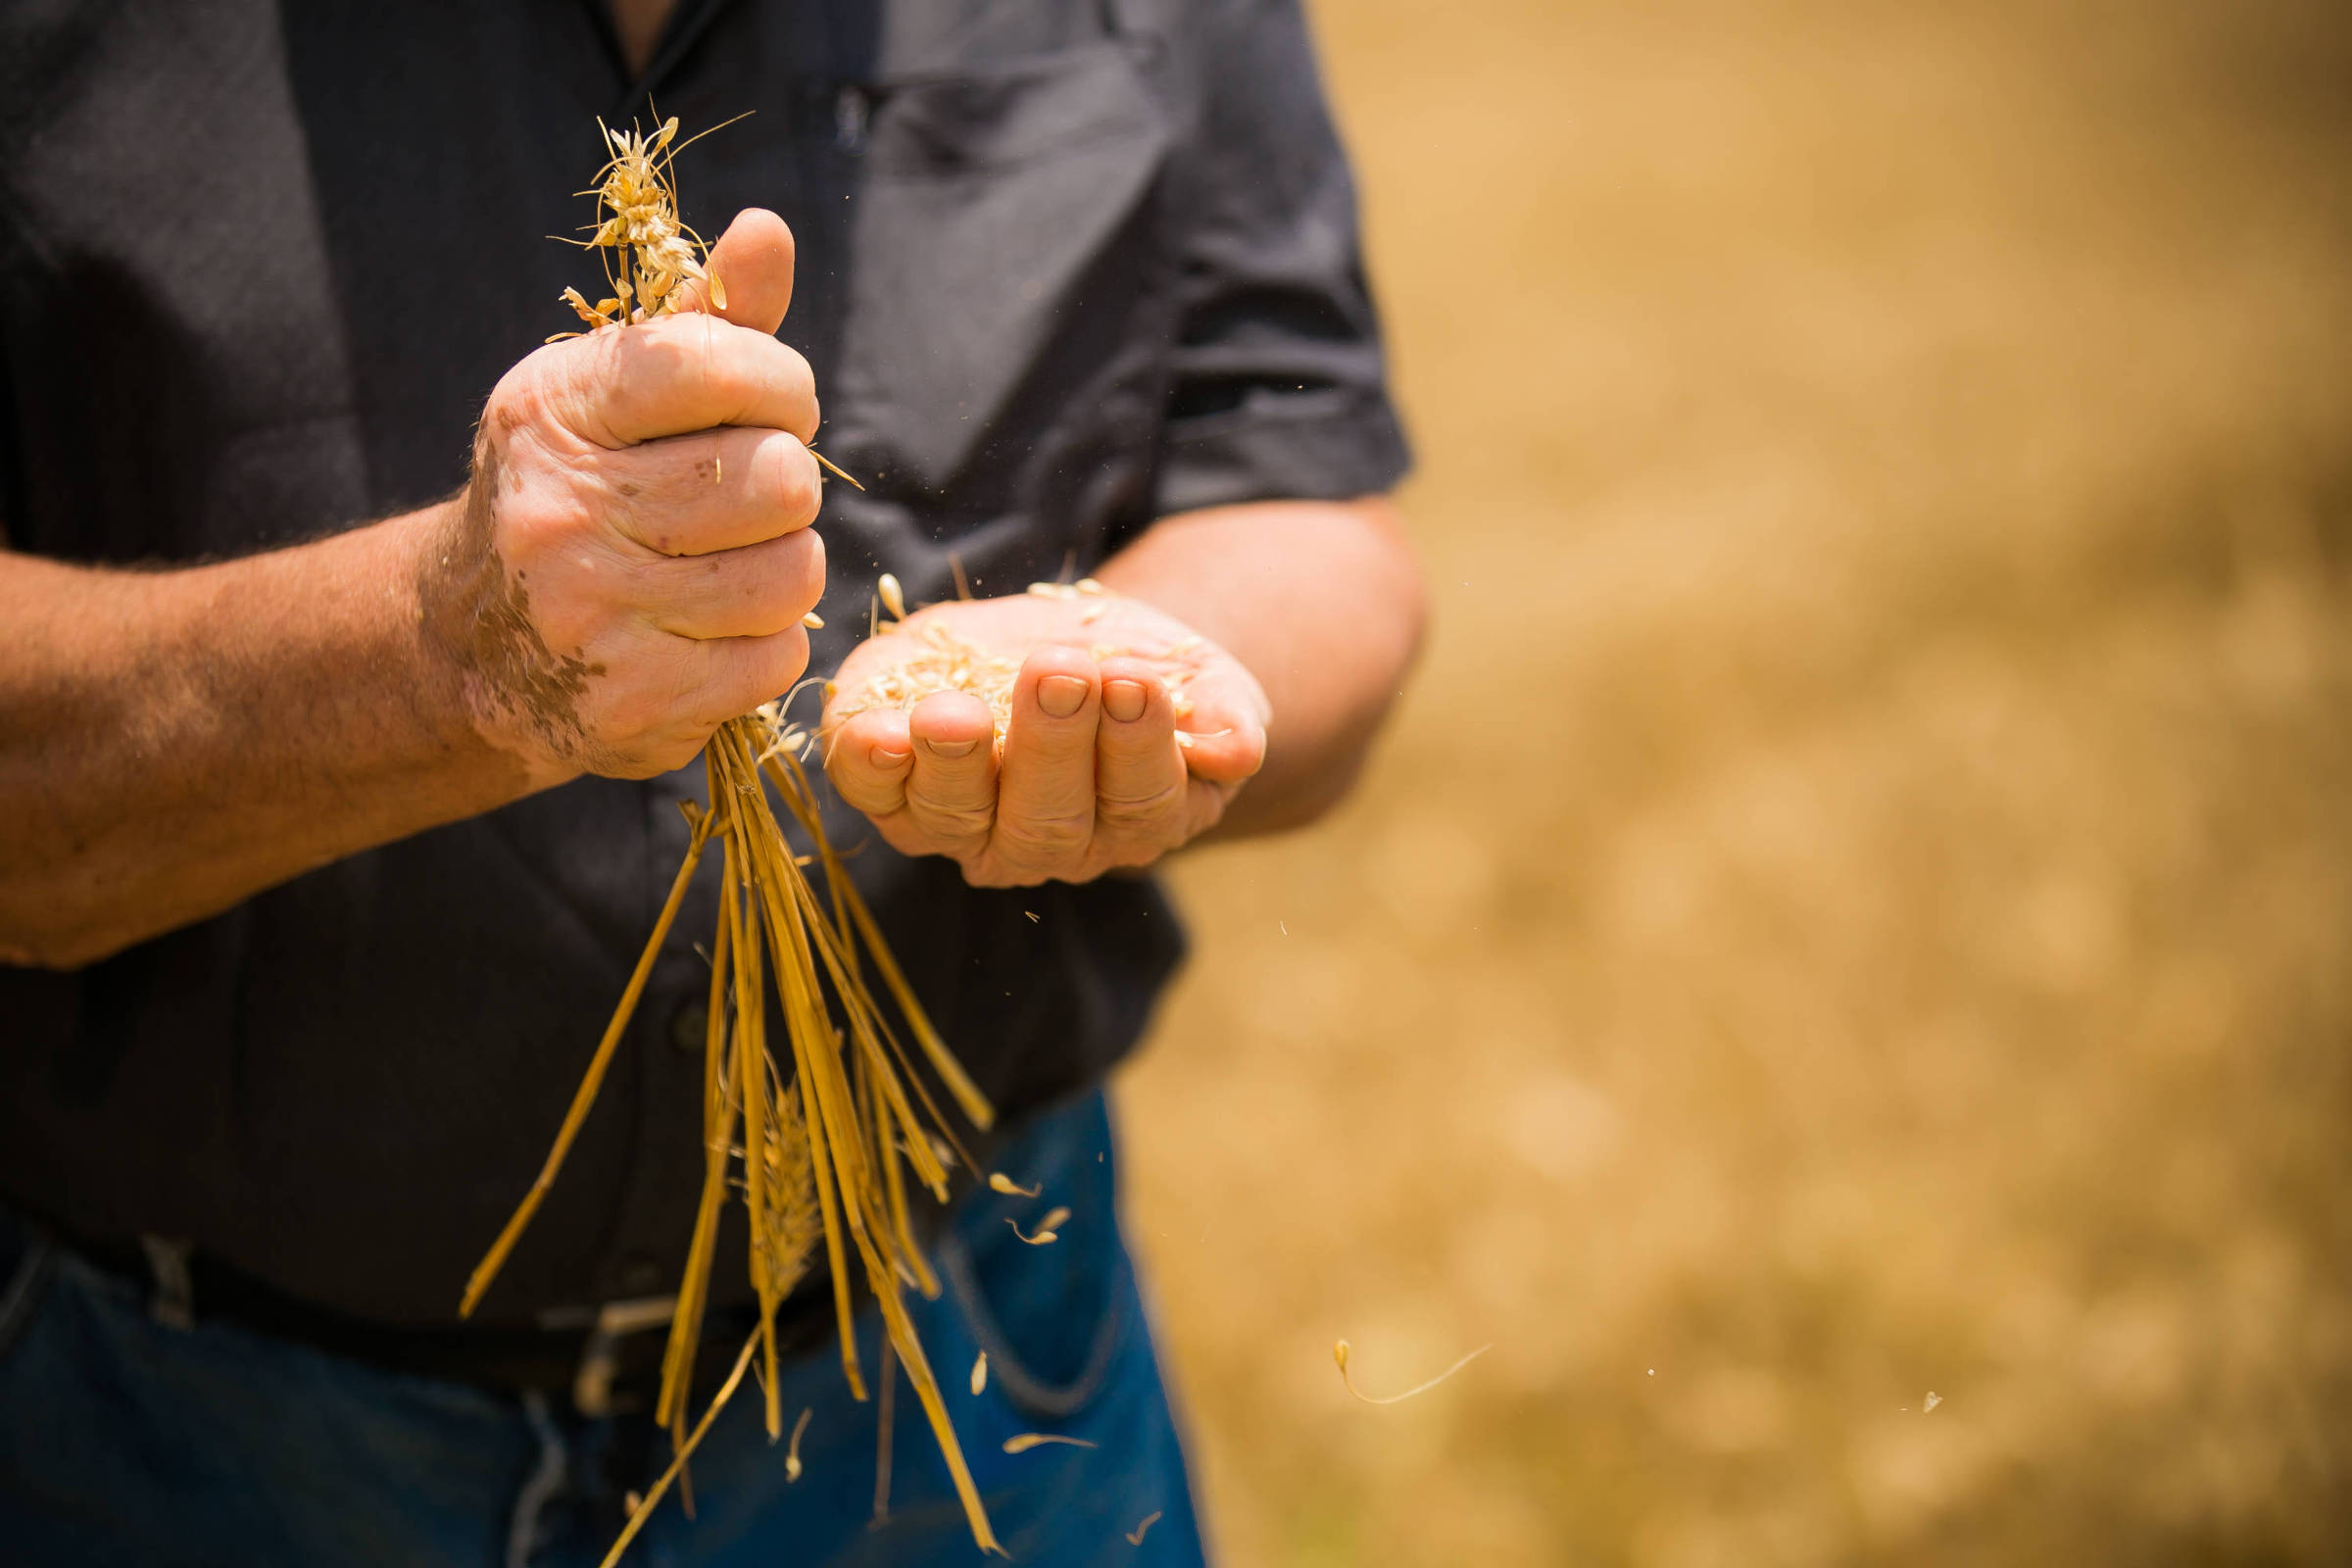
1340 1350
1037 1439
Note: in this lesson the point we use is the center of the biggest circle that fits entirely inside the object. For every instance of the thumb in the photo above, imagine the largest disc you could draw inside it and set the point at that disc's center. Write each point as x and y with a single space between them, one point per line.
752 265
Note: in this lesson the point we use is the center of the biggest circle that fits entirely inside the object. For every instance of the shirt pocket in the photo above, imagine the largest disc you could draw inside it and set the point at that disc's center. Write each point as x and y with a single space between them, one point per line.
1002 260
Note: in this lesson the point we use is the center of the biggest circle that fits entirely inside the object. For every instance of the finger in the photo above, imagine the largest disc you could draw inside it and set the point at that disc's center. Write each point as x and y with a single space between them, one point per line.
753 263
678 374
742 673
690 495
1205 806
1224 736
752 591
951 794
1140 799
1045 795
1228 756
868 758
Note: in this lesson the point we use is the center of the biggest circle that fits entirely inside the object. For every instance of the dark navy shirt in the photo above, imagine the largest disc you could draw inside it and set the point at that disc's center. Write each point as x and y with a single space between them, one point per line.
1065 265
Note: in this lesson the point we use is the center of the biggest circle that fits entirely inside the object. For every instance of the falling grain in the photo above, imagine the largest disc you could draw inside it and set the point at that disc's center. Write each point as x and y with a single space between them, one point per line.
1047 1232
1339 1353
792 1456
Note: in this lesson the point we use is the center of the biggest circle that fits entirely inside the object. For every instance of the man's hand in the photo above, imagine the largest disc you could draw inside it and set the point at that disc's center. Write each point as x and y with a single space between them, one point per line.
1100 767
632 557
626 571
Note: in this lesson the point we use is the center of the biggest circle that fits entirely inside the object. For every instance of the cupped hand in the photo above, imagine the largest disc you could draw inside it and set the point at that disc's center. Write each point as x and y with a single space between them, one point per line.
1125 735
630 563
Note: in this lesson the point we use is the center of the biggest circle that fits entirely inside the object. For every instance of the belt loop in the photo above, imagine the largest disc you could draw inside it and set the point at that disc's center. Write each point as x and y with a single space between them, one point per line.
174 1303
600 1358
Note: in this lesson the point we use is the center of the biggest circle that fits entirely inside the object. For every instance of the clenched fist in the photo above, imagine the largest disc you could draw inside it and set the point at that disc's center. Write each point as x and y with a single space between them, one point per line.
630 563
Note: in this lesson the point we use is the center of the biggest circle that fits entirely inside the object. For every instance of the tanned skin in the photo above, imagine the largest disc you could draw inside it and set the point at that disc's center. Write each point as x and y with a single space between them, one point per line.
626 569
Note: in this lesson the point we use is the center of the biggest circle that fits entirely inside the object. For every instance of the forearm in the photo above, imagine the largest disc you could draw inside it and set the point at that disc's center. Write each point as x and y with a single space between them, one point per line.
1324 603
173 742
628 568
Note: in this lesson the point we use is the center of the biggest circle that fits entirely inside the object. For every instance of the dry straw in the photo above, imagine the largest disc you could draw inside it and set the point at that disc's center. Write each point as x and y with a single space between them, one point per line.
811 1136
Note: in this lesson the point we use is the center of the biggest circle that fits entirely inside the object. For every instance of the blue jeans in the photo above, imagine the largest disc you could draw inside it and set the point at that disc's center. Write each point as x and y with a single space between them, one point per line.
126 1442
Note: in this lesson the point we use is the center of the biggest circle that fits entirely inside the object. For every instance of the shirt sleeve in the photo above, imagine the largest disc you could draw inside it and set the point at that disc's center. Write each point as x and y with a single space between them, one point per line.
1279 389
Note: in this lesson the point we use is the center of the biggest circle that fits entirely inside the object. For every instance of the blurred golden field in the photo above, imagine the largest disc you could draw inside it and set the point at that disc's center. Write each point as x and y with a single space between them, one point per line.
1859 899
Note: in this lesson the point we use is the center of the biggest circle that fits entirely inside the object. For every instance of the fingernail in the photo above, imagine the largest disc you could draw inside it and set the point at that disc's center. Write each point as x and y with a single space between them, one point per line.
889 756
1062 695
951 747
1124 700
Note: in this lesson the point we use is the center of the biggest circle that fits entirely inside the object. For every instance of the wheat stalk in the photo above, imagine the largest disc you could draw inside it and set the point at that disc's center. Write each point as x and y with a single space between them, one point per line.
816 1140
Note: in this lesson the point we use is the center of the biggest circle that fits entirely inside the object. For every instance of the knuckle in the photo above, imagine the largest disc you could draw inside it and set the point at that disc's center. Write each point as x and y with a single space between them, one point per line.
1149 817
782 658
636 593
899 833
726 362
780 382
796 380
806 557
521 395
1049 839
657 365
535 510
952 823
720 371
800 488
845 775
876 800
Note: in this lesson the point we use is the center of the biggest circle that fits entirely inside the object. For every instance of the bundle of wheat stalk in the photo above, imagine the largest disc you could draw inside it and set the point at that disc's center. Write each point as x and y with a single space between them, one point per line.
813 1143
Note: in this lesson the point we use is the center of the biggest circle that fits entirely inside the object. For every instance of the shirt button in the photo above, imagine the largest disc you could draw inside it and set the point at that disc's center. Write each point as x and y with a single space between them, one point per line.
688 1026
